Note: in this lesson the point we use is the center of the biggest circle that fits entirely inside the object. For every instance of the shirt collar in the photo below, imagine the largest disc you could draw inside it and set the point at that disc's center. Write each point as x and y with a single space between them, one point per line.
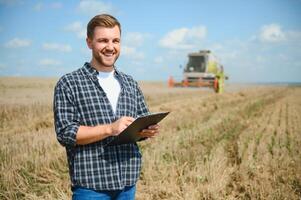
91 71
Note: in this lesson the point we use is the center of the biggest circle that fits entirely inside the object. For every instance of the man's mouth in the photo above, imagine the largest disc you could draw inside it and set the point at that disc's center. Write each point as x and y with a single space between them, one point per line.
108 54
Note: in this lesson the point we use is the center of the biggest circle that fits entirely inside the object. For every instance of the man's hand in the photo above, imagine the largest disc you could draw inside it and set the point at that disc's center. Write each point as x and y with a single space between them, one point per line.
150 132
119 125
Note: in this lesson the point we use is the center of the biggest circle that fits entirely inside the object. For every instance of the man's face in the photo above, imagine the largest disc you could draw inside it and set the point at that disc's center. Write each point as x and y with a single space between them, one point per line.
105 45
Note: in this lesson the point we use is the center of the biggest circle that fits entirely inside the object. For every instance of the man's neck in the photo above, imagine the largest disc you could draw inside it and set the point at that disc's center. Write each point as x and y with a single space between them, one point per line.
96 65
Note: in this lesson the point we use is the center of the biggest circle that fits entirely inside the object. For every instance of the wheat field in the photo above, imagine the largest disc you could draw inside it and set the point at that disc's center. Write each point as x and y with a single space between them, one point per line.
242 144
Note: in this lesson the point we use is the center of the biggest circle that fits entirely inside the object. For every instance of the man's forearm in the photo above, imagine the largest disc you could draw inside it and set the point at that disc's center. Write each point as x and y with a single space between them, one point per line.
90 134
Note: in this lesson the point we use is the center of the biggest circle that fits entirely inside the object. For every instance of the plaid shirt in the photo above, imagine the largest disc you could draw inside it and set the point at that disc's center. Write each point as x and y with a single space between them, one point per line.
80 100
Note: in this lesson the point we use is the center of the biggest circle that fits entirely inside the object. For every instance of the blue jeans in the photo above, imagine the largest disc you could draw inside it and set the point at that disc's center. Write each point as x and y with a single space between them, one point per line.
128 193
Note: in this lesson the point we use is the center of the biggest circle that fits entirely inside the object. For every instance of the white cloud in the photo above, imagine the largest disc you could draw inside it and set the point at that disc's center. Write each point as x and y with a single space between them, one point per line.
49 62
198 32
272 33
135 38
93 7
174 39
184 38
57 47
128 50
132 41
17 43
275 58
77 28
159 60
131 52
40 6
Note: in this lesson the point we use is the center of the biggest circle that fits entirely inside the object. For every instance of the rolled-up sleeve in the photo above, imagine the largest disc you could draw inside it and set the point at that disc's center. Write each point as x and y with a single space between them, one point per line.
66 117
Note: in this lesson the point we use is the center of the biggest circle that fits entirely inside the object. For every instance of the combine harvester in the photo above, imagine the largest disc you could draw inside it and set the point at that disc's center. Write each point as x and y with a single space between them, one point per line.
202 70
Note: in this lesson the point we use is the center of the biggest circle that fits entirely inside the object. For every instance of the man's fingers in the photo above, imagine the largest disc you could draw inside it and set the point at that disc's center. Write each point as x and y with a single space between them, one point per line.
155 127
122 123
149 132
125 121
128 119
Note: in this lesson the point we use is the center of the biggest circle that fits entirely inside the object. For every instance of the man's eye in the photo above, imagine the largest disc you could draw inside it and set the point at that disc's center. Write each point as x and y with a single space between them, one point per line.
102 41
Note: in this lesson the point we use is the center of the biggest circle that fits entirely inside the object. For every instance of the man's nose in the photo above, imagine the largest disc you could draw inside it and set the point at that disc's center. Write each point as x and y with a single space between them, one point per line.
109 46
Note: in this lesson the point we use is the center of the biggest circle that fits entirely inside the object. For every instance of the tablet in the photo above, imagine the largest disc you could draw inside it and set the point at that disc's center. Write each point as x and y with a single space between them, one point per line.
130 134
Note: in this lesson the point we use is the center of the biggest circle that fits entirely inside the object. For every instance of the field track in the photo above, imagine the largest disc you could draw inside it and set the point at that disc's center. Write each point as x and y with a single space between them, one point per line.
243 144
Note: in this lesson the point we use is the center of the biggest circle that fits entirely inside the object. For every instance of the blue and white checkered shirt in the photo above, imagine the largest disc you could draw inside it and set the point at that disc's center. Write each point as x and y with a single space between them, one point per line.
79 100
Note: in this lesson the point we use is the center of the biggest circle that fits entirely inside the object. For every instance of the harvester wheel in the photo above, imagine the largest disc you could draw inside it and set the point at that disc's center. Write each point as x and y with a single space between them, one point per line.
185 83
216 85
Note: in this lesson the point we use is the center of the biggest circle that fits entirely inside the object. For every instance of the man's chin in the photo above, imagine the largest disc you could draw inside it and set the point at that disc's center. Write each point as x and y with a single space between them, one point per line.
106 63
109 61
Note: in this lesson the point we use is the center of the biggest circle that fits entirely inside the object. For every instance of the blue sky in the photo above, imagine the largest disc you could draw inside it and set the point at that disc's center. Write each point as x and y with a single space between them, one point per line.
256 41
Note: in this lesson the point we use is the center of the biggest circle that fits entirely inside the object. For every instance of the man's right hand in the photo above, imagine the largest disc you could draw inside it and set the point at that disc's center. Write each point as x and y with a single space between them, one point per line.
90 134
119 125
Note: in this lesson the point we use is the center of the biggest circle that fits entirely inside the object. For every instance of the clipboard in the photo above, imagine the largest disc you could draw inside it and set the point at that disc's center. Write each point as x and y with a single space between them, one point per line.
130 134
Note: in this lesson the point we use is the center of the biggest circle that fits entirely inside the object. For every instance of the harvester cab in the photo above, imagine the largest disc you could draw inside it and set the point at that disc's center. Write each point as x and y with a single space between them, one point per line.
202 70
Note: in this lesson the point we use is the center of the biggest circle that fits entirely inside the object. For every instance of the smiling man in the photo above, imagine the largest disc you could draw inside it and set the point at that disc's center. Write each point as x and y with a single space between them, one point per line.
92 105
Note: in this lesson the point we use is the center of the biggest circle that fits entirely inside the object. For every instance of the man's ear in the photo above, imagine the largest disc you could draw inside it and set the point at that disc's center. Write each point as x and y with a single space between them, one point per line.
89 42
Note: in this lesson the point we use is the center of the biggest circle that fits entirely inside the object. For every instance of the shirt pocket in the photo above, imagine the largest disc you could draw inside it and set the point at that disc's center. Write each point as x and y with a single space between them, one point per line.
128 103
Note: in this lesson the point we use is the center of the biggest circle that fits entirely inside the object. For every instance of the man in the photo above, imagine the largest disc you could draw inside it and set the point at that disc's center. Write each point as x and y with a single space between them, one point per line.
92 105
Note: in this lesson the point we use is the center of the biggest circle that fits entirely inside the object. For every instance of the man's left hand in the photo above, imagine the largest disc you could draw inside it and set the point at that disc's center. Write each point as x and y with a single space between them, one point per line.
150 132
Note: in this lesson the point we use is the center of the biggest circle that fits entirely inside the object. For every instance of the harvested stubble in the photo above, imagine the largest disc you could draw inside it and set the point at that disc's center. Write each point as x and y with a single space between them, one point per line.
243 144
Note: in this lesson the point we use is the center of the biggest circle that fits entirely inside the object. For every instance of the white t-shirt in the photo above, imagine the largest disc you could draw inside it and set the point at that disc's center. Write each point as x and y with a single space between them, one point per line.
111 87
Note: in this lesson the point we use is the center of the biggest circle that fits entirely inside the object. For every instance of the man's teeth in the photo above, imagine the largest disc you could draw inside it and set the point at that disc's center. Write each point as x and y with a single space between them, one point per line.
108 54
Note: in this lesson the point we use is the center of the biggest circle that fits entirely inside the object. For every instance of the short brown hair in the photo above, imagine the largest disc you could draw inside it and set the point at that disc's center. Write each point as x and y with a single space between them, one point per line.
103 20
